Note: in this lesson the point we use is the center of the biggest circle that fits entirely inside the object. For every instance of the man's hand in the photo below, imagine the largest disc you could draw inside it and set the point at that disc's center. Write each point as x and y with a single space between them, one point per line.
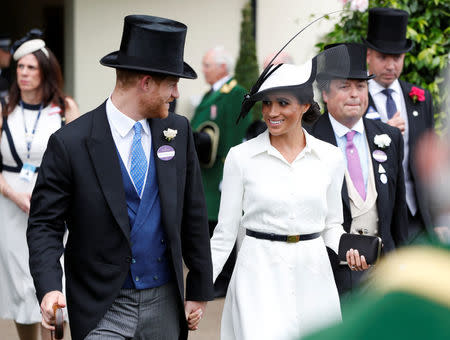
194 312
54 297
397 121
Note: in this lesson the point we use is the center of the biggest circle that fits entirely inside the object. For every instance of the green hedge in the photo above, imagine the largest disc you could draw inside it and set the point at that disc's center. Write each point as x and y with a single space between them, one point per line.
246 71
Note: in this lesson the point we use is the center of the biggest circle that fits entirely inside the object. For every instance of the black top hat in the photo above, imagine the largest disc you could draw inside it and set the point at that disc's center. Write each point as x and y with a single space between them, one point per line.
387 31
336 66
151 44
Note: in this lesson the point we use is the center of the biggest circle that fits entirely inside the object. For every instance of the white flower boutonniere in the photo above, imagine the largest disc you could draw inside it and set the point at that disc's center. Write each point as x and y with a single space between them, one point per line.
382 141
170 134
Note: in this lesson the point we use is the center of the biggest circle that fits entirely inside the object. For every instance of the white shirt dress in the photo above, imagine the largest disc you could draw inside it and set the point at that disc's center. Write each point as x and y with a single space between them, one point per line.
279 290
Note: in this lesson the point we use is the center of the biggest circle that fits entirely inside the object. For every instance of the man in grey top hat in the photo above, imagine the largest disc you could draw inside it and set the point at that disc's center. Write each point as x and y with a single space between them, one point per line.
125 181
5 60
399 103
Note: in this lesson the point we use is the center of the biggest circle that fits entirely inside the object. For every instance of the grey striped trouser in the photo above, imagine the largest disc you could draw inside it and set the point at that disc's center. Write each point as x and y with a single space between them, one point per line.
150 314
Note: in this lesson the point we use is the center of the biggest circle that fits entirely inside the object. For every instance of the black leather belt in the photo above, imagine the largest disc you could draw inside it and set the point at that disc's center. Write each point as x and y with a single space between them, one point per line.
282 238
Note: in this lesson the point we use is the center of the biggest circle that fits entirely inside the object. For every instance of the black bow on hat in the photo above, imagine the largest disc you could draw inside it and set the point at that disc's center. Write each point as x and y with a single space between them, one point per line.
151 44
34 33
387 31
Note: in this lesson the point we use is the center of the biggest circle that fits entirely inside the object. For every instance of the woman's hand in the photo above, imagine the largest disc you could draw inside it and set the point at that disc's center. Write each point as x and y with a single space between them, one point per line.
22 200
356 262
194 312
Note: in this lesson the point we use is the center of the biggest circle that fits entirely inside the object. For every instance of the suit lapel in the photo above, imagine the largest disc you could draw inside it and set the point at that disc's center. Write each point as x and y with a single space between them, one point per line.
371 103
324 131
104 157
413 122
382 189
165 171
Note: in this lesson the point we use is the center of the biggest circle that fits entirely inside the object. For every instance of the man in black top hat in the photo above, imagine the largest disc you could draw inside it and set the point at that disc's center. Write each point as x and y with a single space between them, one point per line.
125 180
5 60
373 193
399 103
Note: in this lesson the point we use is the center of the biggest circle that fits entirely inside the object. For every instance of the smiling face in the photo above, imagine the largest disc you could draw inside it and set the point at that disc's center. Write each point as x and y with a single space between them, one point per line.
159 96
282 113
346 100
386 67
28 73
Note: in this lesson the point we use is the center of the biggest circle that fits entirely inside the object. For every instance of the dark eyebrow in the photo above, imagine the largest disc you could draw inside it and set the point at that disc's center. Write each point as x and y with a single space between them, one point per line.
282 99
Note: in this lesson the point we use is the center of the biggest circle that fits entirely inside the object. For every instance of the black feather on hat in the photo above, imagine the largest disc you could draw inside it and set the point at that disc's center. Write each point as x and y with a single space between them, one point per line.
286 76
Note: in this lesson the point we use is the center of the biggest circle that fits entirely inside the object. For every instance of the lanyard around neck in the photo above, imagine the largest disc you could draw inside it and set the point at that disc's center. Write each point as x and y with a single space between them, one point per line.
29 136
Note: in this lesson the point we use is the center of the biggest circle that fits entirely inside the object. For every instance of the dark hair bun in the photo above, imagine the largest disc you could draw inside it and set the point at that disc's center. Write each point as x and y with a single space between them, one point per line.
312 114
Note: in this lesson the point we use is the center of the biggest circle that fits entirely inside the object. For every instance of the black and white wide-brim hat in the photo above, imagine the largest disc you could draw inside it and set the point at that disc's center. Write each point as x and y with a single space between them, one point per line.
287 78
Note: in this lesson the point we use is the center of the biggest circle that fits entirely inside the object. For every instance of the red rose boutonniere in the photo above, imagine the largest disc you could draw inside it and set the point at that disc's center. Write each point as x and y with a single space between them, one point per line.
417 94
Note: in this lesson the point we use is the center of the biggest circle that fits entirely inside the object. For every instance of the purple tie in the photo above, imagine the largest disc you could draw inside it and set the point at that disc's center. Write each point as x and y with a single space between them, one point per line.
354 165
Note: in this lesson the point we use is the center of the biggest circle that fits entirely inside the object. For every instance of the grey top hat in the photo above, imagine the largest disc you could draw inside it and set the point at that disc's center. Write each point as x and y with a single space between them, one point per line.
151 44
387 31
351 66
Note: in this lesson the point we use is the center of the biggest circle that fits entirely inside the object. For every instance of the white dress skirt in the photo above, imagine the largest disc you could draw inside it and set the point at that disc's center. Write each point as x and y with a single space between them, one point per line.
278 290
17 294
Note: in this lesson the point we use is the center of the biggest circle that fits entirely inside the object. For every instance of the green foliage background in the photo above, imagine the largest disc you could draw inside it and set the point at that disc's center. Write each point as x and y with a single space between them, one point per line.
246 71
428 28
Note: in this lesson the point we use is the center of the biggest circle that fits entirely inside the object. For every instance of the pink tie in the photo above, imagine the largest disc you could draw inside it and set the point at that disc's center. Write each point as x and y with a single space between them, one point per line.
354 165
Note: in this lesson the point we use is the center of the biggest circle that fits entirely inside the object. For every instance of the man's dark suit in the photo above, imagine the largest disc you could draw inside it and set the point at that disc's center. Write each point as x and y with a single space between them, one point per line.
391 203
80 182
417 125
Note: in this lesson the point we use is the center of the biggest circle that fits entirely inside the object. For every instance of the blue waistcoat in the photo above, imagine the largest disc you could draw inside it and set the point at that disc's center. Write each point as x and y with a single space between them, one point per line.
149 263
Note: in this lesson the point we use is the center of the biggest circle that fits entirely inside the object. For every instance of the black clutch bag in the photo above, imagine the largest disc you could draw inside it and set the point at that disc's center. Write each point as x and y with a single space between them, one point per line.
369 246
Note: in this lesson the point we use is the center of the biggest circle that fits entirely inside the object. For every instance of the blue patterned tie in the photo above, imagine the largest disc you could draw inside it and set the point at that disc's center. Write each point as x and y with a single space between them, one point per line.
138 160
391 108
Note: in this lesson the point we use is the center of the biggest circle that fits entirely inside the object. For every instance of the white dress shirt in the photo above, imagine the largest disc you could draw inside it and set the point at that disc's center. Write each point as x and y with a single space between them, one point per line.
380 102
359 140
218 84
122 131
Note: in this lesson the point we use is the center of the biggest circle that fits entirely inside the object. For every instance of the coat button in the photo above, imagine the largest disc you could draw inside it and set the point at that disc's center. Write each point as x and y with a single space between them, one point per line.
137 278
133 261
162 241
155 277
159 259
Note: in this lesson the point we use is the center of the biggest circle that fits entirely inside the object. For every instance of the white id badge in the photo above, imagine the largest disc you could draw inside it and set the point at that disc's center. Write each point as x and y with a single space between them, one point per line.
27 172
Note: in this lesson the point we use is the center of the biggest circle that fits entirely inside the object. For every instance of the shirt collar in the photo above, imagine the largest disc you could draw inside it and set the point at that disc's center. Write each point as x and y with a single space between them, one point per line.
121 122
341 130
262 144
376 88
218 84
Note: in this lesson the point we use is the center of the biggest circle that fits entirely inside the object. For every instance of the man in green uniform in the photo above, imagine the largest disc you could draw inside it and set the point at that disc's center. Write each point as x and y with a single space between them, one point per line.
214 123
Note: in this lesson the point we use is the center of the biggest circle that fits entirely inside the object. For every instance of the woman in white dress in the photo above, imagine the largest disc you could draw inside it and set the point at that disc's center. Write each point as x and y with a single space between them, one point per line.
284 188
36 108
